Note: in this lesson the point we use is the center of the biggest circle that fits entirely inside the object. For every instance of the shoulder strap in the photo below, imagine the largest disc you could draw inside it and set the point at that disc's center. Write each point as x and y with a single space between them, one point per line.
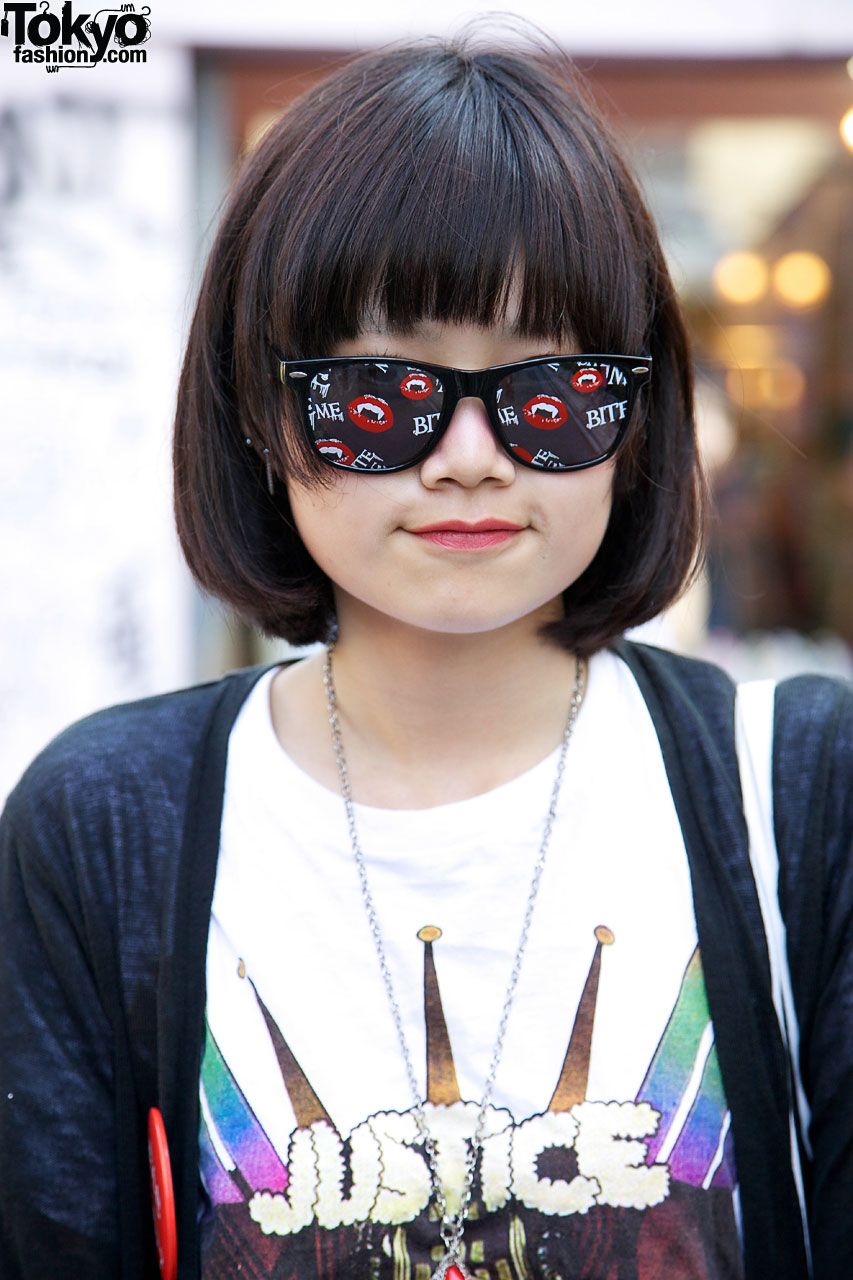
692 705
754 710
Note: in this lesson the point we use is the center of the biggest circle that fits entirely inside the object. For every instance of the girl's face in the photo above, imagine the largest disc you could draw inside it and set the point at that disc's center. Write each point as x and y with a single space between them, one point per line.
367 532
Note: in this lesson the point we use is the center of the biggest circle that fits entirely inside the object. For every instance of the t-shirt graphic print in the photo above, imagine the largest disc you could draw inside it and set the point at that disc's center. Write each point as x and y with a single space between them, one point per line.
582 1188
607 1151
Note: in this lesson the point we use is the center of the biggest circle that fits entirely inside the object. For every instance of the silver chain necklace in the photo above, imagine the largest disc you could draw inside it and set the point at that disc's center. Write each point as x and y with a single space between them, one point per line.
451 1226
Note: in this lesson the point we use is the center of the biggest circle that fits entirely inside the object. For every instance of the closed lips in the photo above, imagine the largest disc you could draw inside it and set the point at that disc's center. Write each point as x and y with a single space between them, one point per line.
456 535
459 526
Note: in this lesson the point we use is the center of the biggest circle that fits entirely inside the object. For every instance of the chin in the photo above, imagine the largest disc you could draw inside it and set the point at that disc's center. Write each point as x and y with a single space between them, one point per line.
438 613
481 622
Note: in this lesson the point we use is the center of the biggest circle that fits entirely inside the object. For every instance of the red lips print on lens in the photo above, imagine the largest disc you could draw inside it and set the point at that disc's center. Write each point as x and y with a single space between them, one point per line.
370 413
587 380
337 451
416 386
520 452
546 412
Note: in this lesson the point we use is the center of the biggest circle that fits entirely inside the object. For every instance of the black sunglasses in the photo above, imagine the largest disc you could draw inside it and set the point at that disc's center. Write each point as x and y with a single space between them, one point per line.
552 413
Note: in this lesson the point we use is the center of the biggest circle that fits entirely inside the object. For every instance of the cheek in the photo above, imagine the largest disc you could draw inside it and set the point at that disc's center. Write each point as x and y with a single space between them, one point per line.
603 496
584 504
316 514
339 522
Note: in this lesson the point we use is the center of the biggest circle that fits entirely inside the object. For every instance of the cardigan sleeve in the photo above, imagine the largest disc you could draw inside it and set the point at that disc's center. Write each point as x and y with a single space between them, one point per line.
58 1144
813 788
88 845
98 976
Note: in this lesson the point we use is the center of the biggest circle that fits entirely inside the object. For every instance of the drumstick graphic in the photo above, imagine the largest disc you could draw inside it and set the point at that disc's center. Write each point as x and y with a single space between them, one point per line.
442 1085
571 1086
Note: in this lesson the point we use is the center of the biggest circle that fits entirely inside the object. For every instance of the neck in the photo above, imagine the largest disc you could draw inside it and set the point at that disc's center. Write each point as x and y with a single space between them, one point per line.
439 716
406 679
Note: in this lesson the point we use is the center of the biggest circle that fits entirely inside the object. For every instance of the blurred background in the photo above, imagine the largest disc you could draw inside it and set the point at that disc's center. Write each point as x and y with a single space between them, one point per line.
739 120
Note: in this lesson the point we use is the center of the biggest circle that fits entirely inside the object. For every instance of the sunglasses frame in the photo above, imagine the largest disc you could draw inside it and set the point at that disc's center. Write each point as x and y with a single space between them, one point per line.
459 383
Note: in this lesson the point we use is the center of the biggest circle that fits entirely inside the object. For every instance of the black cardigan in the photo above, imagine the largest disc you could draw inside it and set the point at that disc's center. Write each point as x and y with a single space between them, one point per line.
108 853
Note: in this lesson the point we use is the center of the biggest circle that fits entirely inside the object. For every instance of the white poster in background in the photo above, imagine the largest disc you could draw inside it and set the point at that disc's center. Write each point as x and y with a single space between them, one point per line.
95 260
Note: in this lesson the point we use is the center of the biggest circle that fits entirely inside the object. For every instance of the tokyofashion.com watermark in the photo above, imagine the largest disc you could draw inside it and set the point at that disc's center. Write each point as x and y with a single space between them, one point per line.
69 39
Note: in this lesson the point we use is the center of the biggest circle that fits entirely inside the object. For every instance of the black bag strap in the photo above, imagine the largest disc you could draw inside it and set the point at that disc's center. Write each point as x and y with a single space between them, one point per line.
692 707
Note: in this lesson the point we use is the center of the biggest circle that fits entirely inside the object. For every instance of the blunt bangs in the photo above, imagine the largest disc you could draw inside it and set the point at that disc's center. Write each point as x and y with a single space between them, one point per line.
433 181
454 191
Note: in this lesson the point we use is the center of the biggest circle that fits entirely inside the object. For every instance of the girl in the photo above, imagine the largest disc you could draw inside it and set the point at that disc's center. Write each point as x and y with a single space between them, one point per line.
440 951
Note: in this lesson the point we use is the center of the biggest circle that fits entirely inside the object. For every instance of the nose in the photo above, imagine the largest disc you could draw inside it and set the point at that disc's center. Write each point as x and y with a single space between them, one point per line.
468 453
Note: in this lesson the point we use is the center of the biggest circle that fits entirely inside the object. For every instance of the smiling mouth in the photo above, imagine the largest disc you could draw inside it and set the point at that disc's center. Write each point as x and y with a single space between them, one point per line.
456 535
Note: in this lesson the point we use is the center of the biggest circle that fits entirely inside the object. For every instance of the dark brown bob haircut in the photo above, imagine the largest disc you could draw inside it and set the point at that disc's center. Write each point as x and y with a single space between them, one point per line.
437 181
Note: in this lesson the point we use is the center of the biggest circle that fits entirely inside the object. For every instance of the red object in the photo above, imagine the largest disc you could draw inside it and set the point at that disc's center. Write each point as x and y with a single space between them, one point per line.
587 380
163 1196
337 450
415 386
371 413
453 1273
459 526
467 541
545 412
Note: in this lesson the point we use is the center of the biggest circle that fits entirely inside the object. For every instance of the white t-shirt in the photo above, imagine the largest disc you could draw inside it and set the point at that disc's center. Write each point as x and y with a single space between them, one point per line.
609 1129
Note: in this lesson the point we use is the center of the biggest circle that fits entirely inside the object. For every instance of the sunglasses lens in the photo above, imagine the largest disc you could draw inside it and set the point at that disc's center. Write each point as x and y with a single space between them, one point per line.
564 414
373 415
380 415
